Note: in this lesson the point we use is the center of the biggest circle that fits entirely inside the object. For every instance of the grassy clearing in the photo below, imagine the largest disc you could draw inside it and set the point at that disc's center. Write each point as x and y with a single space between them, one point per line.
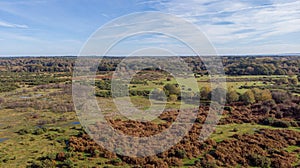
108 107
19 150
188 162
292 148
203 82
226 131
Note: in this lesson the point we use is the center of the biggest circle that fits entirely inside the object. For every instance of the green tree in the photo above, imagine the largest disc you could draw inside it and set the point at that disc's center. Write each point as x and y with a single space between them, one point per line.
261 95
171 89
279 72
266 95
232 96
293 81
172 97
218 95
248 97
257 94
205 92
282 81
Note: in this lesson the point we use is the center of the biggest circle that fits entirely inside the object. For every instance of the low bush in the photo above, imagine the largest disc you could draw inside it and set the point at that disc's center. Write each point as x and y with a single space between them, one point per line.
282 124
24 131
228 108
259 161
39 131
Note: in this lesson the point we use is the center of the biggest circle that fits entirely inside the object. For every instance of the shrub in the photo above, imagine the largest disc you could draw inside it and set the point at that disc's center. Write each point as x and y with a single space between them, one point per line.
293 81
294 124
208 163
259 161
180 154
96 153
51 156
60 156
235 130
173 161
265 110
279 114
265 95
68 163
268 121
104 93
282 124
24 131
275 122
172 98
205 92
35 164
280 96
116 161
38 131
228 108
171 89
270 103
232 96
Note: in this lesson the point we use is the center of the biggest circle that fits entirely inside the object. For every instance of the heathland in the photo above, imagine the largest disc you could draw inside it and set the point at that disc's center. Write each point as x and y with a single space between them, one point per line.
259 127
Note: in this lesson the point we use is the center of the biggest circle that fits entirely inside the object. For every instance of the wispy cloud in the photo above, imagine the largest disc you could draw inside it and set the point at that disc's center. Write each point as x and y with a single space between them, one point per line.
105 15
235 26
12 25
221 20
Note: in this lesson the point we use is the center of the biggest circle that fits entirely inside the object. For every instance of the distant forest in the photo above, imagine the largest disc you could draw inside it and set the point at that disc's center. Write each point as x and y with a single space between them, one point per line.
233 65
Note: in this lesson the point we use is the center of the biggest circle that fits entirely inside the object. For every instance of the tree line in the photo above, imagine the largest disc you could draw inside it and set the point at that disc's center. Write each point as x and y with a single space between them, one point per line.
250 65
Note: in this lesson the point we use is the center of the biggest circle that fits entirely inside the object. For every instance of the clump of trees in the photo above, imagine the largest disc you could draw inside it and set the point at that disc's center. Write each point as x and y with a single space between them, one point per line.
171 89
249 97
38 64
256 95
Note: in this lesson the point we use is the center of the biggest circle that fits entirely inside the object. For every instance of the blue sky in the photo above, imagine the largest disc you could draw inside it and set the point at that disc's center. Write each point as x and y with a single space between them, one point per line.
61 27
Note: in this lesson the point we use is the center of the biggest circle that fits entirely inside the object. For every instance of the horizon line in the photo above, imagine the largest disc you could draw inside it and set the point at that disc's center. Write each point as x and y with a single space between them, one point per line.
220 55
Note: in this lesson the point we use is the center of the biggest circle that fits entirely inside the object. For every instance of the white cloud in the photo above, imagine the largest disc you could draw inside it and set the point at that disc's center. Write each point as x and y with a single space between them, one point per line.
228 21
12 25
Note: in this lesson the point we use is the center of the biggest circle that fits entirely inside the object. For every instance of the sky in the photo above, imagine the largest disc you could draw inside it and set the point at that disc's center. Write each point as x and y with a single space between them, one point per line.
234 27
